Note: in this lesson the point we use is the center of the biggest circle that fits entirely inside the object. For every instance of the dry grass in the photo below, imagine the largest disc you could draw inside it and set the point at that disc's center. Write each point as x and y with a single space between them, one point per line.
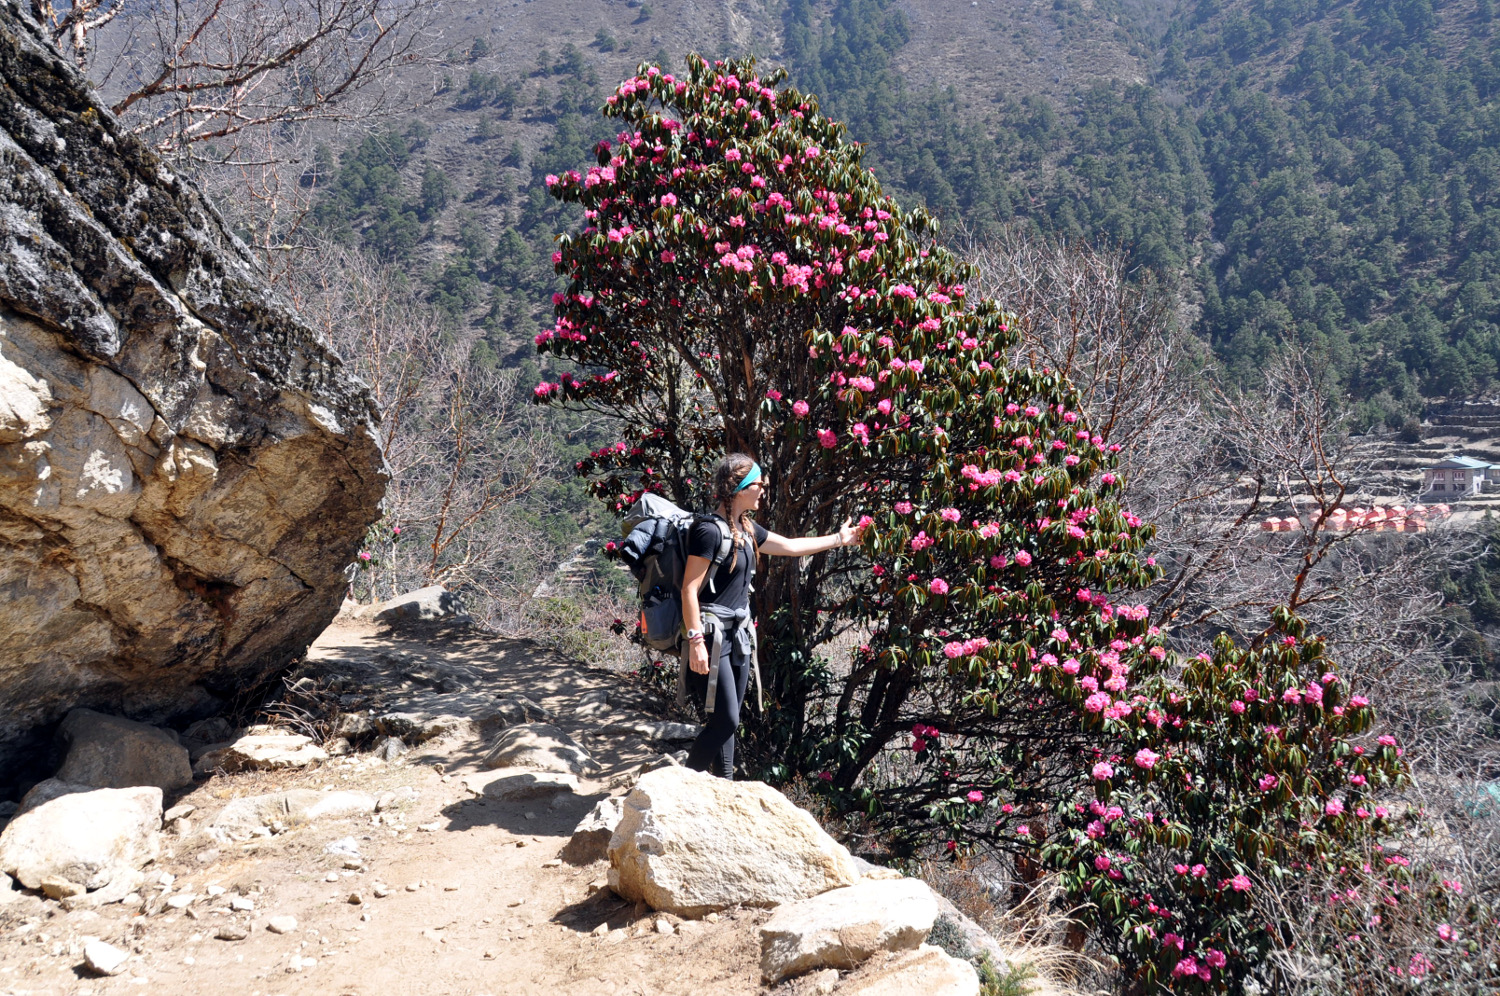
1034 931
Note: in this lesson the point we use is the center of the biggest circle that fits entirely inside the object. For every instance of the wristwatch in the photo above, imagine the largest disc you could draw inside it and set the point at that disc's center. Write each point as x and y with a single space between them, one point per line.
695 634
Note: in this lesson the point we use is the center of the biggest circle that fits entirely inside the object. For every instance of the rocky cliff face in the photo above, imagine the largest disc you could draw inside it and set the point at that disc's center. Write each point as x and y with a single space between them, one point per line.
185 469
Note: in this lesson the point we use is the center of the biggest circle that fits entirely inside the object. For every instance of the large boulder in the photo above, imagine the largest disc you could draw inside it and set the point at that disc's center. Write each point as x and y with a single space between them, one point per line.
431 604
90 837
185 468
843 927
111 752
691 844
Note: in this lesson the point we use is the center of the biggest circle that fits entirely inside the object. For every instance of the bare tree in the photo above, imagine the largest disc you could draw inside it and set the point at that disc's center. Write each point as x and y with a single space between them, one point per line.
467 456
181 73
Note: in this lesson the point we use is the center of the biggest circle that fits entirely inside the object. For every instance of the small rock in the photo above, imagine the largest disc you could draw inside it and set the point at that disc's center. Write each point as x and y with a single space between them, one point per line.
432 827
281 924
821 983
181 901
300 964
601 930
261 752
113 752
106 959
354 864
450 887
664 926
356 899
242 904
181 811
346 847
381 891
552 863
331 877
598 885
413 886
520 843
392 800
232 932
56 887
215 891
712 918
590 840
390 748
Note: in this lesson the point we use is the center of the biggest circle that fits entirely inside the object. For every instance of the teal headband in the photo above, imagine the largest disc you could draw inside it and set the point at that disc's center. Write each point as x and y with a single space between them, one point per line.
750 478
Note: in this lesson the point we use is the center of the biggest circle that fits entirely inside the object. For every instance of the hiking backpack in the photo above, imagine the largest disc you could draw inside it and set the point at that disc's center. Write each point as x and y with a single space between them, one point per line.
656 551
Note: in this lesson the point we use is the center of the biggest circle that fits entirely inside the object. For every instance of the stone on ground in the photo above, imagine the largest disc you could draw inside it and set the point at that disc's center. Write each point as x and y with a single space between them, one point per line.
590 840
927 970
518 709
113 752
422 717
80 834
106 959
242 817
519 786
690 844
431 604
654 729
540 747
841 928
261 752
281 924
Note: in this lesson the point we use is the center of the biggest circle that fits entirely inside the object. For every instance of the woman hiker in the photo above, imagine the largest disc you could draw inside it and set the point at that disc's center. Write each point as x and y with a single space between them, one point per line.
720 632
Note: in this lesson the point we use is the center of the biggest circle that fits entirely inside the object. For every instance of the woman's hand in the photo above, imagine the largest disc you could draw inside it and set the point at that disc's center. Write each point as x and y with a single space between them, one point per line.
698 656
848 533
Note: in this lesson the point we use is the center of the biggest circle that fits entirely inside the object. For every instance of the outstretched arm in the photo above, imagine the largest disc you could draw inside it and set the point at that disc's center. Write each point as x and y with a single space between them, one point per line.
806 546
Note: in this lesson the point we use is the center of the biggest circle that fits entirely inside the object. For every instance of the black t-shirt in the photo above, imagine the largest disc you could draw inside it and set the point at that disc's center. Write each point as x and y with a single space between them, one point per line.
731 584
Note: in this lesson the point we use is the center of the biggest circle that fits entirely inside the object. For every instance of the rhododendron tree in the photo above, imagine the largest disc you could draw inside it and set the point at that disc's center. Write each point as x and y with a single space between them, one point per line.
1242 769
741 282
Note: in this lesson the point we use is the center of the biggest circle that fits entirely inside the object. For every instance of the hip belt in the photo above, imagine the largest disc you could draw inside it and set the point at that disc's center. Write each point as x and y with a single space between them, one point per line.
720 624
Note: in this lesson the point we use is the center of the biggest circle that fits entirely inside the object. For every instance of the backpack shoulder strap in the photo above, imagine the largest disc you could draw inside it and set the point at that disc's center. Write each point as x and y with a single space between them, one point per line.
726 543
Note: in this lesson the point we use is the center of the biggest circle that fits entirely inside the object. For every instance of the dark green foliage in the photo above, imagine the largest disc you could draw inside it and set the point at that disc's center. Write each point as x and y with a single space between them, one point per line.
1346 198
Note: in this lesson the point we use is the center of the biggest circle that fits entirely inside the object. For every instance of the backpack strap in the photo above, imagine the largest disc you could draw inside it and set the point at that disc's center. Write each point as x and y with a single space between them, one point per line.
726 543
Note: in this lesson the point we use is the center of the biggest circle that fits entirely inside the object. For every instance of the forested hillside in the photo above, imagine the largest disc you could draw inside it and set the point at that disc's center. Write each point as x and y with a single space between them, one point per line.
1320 173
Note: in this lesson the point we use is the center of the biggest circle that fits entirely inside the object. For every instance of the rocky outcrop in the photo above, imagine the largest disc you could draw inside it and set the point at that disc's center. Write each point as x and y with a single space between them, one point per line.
690 844
185 469
540 747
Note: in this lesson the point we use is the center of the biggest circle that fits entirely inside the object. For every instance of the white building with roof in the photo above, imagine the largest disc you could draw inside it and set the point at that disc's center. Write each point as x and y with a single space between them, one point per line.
1457 477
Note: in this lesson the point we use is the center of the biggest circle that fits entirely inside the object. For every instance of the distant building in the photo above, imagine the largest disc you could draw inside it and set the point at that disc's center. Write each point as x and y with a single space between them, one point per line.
1457 477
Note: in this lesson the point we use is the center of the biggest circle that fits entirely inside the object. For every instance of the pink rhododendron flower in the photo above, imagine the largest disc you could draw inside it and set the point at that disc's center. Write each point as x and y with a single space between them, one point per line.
903 507
1103 771
1023 558
938 586
773 394
975 795
950 515
1239 883
1146 758
1334 807
827 438
800 409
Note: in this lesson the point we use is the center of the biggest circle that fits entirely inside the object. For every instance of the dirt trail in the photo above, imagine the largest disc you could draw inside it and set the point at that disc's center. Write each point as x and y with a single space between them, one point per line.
491 910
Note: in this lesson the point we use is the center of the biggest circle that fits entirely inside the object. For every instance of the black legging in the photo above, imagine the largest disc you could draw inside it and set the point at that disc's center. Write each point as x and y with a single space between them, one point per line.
713 751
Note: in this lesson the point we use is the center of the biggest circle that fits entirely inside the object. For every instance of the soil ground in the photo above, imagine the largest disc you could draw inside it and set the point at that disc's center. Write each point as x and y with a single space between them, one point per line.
478 902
